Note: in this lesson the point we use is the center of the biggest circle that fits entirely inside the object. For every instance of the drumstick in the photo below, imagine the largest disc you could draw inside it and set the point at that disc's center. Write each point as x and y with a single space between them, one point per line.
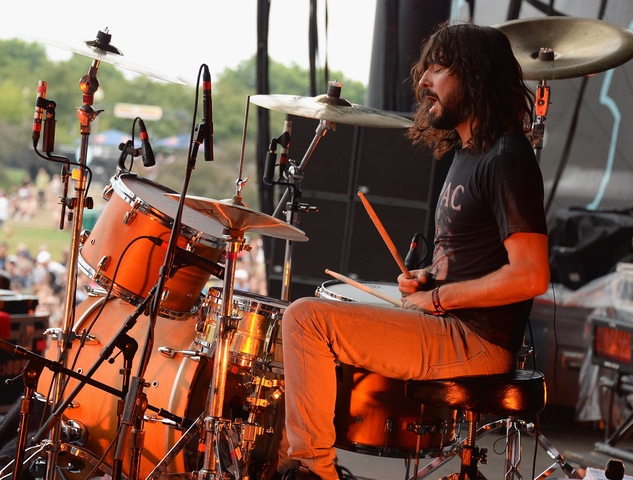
365 288
385 236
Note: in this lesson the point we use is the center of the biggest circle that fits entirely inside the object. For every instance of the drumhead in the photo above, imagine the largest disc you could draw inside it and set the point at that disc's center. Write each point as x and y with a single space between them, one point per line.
336 290
130 188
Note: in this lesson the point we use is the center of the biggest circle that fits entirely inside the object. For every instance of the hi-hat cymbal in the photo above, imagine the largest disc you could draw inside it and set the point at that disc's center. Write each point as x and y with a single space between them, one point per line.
241 218
331 109
581 46
103 51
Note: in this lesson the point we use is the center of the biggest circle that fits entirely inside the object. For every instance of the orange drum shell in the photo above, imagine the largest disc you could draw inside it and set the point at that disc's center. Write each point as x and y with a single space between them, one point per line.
139 268
366 402
179 385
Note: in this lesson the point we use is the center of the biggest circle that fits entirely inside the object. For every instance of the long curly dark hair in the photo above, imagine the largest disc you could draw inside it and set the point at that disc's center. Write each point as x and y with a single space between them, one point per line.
495 97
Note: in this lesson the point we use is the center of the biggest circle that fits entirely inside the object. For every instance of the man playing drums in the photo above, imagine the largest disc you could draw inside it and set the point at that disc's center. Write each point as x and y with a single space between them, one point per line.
466 313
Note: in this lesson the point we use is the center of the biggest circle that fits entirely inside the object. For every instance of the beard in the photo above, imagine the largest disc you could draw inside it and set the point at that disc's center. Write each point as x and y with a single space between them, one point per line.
450 114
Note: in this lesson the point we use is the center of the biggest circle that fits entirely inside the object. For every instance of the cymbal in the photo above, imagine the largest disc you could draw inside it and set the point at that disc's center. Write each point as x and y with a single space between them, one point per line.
103 51
582 46
331 109
241 218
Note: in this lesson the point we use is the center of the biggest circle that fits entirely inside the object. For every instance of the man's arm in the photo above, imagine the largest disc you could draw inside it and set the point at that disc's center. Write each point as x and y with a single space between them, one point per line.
524 277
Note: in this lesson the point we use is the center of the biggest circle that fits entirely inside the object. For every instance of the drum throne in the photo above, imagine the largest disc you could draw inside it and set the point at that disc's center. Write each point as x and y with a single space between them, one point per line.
513 395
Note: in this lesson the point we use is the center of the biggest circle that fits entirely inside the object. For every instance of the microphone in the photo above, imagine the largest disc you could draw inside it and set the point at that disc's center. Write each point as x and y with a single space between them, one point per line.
39 111
208 114
48 140
412 259
146 149
191 259
284 141
271 160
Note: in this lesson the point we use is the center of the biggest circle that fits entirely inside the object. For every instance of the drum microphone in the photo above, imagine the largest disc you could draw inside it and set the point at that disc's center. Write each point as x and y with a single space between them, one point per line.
284 141
146 149
190 259
412 259
39 111
208 114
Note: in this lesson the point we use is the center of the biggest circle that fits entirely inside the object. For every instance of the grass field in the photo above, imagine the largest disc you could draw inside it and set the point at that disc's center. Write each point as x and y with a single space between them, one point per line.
34 235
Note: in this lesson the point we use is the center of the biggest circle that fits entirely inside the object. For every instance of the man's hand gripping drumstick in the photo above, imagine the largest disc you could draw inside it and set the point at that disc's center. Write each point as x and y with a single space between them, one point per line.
407 282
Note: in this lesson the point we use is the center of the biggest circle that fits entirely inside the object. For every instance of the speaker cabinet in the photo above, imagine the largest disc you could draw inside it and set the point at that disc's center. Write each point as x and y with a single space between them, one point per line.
398 180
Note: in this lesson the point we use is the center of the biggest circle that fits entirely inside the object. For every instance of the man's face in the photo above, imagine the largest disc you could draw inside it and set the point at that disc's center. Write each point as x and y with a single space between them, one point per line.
442 88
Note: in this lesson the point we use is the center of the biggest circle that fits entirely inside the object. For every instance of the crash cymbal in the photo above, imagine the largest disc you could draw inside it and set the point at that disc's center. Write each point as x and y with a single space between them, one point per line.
331 109
100 49
581 46
239 217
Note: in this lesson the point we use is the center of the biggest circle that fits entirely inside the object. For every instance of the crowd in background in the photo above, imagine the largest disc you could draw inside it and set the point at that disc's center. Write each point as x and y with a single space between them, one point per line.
37 273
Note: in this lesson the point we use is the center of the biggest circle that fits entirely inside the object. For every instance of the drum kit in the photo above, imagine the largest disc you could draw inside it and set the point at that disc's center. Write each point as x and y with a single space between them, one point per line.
207 395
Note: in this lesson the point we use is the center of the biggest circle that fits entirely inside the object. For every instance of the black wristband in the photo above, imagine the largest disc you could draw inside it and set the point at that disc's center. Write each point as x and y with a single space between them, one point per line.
435 295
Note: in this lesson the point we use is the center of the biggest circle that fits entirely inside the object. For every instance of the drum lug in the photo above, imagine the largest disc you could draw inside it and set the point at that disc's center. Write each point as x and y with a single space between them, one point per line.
84 236
102 265
171 353
388 425
420 429
107 192
164 296
129 217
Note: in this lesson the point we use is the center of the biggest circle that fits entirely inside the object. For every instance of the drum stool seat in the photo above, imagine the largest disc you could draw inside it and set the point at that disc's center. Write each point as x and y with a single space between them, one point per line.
521 392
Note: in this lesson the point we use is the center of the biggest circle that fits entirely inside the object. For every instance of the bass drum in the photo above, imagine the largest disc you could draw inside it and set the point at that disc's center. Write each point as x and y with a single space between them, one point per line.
373 415
177 383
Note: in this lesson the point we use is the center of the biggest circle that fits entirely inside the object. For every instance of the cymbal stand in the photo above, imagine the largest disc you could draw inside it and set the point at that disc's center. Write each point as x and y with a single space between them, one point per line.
214 424
294 176
86 114
541 105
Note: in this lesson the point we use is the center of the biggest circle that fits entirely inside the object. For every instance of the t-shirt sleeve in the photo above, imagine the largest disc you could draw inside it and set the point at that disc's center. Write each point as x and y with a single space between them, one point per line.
516 194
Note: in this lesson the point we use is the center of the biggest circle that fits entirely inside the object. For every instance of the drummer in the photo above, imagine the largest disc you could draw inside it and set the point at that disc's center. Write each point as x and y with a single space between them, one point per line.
466 313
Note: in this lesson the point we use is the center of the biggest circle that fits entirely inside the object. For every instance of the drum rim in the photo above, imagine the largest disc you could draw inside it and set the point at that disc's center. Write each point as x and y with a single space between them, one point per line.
337 296
238 295
127 296
126 194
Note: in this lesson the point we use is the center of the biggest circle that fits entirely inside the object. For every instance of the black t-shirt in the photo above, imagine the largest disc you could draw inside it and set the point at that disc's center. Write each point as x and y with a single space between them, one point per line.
485 199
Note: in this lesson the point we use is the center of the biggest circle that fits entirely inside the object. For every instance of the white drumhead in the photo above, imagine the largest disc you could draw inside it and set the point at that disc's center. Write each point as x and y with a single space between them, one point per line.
336 290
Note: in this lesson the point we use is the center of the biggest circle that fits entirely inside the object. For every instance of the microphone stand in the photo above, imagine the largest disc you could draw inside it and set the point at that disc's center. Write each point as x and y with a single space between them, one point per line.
135 400
294 175
86 114
31 374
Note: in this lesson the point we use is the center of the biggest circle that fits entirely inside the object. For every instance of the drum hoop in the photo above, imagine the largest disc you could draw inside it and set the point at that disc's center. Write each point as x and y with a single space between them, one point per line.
86 455
252 302
130 297
128 196
331 294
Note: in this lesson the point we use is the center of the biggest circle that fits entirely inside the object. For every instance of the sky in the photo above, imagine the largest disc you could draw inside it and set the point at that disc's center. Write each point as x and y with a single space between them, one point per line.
176 41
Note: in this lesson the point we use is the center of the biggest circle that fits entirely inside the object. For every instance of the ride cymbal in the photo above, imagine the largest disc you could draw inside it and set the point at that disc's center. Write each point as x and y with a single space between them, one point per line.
581 46
238 217
100 49
331 109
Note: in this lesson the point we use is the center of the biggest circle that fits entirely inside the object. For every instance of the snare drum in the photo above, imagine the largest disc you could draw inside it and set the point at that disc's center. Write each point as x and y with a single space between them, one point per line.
335 290
138 207
257 339
372 414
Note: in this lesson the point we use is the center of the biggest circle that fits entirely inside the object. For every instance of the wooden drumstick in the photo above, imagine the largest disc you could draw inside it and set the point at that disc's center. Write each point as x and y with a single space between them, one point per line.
385 236
365 288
